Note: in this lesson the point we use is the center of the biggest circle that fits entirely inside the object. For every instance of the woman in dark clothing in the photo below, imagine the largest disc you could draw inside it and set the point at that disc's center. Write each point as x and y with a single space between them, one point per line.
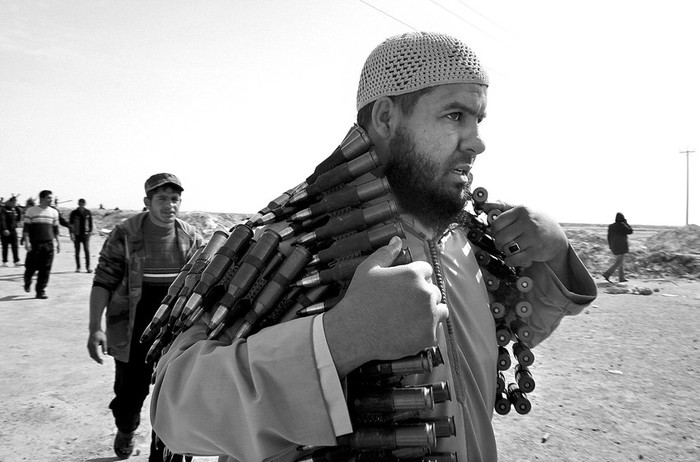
617 240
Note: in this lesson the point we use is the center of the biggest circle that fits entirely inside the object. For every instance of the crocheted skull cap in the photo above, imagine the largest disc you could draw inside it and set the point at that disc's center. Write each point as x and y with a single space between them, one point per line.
416 60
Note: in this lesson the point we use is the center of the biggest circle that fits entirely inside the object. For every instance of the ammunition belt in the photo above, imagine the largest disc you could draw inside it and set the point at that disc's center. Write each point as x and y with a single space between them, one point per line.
246 284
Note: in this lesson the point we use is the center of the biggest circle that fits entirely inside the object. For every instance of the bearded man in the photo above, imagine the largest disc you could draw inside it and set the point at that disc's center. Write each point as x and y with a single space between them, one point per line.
420 99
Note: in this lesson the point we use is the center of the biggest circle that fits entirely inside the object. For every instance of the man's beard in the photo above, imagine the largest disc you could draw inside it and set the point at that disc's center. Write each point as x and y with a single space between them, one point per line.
415 180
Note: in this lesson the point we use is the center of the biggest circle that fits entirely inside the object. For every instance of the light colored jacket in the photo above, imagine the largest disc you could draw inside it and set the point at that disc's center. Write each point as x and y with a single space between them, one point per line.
261 398
120 271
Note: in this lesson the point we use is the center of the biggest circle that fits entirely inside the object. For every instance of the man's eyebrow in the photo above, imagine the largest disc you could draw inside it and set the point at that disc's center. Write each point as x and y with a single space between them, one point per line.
469 109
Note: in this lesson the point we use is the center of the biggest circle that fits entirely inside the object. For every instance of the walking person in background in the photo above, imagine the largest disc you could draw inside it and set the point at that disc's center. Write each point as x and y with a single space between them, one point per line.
80 230
617 240
138 262
10 218
40 230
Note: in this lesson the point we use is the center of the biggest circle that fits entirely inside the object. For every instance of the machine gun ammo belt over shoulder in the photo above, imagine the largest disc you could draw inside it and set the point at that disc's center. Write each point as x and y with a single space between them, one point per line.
253 276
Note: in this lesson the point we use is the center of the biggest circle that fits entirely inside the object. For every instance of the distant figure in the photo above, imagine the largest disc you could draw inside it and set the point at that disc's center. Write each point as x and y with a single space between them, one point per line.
80 231
617 240
10 218
40 230
138 262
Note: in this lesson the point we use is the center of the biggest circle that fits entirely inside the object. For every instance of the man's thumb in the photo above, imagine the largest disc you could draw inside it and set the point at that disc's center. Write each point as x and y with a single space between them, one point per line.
385 256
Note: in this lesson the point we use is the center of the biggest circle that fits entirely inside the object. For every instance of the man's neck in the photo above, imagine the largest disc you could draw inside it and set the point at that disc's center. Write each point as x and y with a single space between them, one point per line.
159 224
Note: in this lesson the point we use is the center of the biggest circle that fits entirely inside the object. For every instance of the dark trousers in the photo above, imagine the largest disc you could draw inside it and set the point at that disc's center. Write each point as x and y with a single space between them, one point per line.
132 379
619 265
85 241
10 242
39 260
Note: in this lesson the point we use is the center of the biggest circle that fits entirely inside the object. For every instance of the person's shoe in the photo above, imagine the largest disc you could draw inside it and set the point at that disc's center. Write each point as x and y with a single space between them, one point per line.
77 270
88 270
27 287
124 444
42 295
18 264
606 277
4 265
623 280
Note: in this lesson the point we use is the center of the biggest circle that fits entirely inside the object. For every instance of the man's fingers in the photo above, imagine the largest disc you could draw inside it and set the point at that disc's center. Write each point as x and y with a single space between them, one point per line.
384 256
92 349
498 205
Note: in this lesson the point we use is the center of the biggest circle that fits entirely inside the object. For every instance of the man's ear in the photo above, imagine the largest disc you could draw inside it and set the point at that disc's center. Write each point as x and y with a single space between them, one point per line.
385 117
147 202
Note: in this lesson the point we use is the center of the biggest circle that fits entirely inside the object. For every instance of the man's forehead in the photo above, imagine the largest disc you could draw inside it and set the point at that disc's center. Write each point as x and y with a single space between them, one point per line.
458 94
471 91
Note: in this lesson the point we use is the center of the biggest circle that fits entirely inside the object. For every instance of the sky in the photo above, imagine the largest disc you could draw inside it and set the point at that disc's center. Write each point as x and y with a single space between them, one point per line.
590 102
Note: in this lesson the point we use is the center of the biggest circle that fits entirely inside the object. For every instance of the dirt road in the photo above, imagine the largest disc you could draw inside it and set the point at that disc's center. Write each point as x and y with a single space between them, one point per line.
616 383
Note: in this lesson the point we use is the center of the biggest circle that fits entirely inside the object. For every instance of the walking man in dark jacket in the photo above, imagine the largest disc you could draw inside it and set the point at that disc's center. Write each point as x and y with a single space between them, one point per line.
617 240
80 230
10 218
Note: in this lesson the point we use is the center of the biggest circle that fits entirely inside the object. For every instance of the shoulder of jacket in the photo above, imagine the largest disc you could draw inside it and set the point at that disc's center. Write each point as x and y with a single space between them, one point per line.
188 228
132 224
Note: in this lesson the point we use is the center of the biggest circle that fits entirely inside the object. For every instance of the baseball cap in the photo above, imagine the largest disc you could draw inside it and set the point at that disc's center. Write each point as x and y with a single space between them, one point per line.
160 179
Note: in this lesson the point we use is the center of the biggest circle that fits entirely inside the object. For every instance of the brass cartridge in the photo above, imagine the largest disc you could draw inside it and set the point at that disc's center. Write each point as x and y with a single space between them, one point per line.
394 400
251 267
518 399
349 196
355 220
365 241
524 379
341 174
391 437
523 354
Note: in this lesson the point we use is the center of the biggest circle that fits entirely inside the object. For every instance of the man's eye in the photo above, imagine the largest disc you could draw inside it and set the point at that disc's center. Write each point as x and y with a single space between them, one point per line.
456 116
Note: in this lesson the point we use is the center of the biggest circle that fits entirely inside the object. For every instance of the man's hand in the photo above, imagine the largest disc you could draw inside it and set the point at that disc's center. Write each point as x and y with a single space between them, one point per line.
386 313
97 342
537 238
5 232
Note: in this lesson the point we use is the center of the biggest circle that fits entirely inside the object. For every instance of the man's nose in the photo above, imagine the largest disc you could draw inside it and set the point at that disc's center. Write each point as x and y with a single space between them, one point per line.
472 142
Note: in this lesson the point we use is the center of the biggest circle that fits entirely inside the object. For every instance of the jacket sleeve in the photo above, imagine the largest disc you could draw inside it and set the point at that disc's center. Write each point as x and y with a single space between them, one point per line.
112 262
250 399
551 300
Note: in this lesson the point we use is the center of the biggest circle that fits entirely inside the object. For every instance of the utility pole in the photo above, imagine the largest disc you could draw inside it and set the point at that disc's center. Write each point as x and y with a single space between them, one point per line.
687 153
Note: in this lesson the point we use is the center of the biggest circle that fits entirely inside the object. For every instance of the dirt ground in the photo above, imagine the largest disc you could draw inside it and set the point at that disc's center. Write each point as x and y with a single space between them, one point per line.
616 383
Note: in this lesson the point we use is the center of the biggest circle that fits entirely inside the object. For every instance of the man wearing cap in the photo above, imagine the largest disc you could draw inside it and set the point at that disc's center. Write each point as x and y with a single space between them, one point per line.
138 262
420 99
